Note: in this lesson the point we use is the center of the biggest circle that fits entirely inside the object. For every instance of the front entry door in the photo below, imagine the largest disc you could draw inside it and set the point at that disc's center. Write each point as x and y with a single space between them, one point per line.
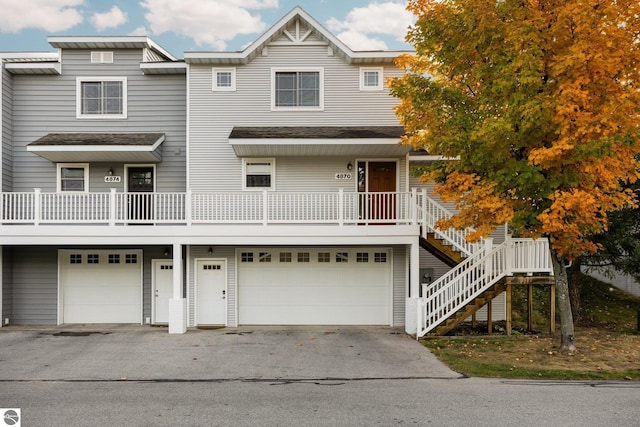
162 290
140 188
382 179
211 292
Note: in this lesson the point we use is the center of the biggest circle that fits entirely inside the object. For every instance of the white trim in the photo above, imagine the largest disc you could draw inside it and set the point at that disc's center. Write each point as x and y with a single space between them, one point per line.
96 148
319 70
80 80
270 160
109 42
136 165
428 158
379 86
214 79
59 167
188 131
175 67
53 67
195 288
1 275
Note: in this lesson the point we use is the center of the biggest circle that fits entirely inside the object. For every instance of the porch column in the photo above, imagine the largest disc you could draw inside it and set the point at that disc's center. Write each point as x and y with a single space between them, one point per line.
177 304
411 306
1 289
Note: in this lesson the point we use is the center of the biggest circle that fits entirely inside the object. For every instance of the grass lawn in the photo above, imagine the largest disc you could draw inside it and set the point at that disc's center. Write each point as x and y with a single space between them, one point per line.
606 337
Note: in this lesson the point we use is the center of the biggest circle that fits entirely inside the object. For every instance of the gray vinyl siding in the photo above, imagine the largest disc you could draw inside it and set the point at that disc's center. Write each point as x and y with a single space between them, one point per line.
213 114
6 131
35 285
229 254
47 104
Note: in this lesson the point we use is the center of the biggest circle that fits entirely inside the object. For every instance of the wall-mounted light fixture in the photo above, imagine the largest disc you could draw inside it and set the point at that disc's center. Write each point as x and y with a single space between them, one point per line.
110 171
349 166
210 250
166 251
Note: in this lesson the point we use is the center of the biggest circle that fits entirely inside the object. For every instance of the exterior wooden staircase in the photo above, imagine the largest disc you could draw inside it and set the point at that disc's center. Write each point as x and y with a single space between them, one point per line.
468 310
441 250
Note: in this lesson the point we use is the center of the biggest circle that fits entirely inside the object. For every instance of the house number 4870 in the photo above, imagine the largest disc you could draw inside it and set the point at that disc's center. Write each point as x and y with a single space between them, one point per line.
343 176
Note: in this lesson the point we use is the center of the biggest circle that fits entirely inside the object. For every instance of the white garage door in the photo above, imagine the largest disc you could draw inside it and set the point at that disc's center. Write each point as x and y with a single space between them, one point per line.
101 286
314 286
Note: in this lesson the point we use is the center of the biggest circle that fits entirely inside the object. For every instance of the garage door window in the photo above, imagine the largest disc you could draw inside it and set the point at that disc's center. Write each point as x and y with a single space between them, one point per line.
380 257
131 259
246 257
324 256
114 258
285 256
362 257
75 259
342 256
303 256
264 257
93 259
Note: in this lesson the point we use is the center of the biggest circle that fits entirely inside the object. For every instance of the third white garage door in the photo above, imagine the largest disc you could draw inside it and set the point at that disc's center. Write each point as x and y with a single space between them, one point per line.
314 286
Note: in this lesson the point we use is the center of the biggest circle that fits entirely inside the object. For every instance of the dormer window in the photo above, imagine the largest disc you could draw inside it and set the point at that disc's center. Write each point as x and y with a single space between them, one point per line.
371 78
224 79
297 89
101 97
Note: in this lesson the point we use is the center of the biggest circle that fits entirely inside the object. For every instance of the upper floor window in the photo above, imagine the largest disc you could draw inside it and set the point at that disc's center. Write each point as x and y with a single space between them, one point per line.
73 177
371 78
297 89
224 79
101 97
259 174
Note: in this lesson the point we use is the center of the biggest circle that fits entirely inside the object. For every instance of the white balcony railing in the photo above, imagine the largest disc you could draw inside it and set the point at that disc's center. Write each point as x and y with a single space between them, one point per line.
187 208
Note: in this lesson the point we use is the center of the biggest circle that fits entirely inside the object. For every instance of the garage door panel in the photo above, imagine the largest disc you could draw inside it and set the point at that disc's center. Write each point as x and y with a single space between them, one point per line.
106 290
315 315
321 293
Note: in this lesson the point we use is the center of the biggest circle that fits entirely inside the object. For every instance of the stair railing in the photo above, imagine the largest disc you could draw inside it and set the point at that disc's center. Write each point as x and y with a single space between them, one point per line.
476 274
430 212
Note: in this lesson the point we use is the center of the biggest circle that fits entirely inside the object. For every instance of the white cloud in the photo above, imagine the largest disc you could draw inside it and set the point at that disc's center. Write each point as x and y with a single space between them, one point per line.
140 31
359 28
110 19
208 23
48 15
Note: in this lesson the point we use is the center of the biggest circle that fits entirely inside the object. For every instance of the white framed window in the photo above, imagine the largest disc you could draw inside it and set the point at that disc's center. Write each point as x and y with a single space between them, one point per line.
73 177
224 79
101 97
371 78
297 89
102 57
259 174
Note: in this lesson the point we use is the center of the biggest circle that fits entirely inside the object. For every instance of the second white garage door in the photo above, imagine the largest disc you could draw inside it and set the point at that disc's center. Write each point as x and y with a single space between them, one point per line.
313 286
101 286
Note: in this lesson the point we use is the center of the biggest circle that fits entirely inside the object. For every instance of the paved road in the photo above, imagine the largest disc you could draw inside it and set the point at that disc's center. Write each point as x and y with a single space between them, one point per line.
307 376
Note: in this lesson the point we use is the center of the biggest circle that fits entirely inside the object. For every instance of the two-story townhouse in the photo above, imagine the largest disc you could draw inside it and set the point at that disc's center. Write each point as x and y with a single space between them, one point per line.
259 187
88 134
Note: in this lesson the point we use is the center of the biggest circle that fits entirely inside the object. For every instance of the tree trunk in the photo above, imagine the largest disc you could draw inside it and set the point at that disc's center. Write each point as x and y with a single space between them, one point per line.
567 338
574 276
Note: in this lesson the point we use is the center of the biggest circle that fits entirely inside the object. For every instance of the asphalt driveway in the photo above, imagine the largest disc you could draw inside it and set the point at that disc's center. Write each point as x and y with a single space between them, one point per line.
77 353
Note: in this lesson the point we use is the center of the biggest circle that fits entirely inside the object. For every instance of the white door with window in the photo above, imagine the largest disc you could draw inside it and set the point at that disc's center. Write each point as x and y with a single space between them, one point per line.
162 290
211 292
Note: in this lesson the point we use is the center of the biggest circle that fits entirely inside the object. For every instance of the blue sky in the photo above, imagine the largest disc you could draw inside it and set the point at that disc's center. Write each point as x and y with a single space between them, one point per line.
188 25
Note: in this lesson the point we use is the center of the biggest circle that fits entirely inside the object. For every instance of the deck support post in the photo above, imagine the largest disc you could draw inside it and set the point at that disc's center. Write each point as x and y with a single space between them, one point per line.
177 304
509 306
552 308
529 307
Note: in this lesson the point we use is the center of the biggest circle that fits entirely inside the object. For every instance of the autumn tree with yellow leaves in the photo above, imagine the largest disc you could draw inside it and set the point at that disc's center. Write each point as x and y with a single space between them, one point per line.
536 104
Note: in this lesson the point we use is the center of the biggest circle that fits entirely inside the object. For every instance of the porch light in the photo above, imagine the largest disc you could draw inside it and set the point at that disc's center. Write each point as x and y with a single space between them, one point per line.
349 166
166 251
110 171
210 251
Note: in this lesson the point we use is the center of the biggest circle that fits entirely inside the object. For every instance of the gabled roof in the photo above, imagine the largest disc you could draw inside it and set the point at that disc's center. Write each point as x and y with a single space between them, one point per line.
277 30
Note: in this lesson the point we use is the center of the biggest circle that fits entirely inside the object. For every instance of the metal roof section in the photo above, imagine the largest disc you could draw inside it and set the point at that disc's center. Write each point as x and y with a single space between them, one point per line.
273 33
31 62
178 67
99 147
109 42
318 140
